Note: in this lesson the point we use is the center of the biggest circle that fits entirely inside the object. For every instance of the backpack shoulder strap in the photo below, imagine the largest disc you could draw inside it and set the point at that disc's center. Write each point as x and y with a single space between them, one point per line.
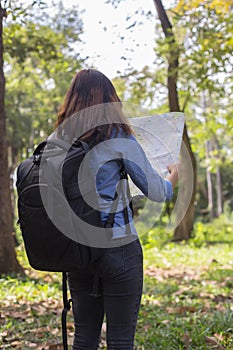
110 220
54 142
66 308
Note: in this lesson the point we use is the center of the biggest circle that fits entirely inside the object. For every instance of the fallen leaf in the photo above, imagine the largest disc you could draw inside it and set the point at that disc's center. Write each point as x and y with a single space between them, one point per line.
180 309
29 320
70 325
16 343
4 333
165 321
55 331
32 345
222 298
186 340
215 344
219 336
58 346
39 310
39 330
155 302
146 327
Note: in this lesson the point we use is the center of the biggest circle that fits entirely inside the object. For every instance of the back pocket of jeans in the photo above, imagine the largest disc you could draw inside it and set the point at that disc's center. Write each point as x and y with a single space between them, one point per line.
112 263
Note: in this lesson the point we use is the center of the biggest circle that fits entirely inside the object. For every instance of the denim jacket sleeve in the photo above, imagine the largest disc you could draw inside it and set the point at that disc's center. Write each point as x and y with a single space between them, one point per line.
106 162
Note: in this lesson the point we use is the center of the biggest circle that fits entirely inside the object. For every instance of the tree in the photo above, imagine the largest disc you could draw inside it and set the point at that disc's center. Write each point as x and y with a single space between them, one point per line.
140 89
41 57
206 69
8 261
184 228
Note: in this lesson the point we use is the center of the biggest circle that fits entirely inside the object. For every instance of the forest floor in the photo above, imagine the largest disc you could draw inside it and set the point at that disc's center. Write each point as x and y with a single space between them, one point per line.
187 301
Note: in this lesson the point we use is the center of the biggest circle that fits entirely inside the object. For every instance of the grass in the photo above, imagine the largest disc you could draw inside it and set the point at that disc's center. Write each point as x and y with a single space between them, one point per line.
187 298
187 301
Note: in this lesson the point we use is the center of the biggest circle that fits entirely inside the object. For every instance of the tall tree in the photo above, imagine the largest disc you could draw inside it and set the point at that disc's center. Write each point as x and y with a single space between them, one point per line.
184 228
40 65
206 69
8 261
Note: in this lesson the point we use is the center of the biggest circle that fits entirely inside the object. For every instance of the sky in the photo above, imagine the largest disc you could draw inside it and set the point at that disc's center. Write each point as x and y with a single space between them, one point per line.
111 47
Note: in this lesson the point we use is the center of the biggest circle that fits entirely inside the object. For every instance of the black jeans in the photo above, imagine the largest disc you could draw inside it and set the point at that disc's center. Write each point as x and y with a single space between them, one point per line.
112 287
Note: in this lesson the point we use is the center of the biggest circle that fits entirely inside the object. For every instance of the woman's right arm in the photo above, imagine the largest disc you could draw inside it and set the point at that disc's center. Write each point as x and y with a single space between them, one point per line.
144 176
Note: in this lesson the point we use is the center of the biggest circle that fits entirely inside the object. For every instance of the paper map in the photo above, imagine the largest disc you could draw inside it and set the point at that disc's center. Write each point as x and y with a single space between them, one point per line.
160 136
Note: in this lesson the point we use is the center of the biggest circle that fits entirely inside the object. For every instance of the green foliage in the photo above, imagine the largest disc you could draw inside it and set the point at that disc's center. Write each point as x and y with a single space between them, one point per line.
203 37
40 61
155 234
187 300
219 230
206 72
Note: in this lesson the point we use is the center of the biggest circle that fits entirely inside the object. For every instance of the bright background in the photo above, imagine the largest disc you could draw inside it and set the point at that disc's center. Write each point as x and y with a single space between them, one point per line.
110 46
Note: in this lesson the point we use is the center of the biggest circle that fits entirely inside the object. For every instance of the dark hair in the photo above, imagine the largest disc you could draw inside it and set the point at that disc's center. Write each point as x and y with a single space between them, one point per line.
91 88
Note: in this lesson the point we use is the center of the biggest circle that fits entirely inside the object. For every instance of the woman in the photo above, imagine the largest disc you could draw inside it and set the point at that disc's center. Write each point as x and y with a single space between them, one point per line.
112 286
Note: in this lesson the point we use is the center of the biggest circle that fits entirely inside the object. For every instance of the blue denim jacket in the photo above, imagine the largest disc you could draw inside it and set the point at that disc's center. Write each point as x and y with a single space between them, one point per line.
107 160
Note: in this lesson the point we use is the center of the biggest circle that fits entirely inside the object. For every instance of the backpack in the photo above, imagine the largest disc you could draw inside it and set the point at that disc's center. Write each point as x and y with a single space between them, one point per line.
48 191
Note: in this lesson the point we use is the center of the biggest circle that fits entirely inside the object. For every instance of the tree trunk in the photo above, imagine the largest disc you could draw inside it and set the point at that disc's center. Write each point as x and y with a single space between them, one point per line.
210 193
218 185
209 180
184 228
186 208
219 192
8 261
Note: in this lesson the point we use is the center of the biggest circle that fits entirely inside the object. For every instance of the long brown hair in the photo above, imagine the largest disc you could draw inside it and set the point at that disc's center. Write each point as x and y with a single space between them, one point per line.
94 106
